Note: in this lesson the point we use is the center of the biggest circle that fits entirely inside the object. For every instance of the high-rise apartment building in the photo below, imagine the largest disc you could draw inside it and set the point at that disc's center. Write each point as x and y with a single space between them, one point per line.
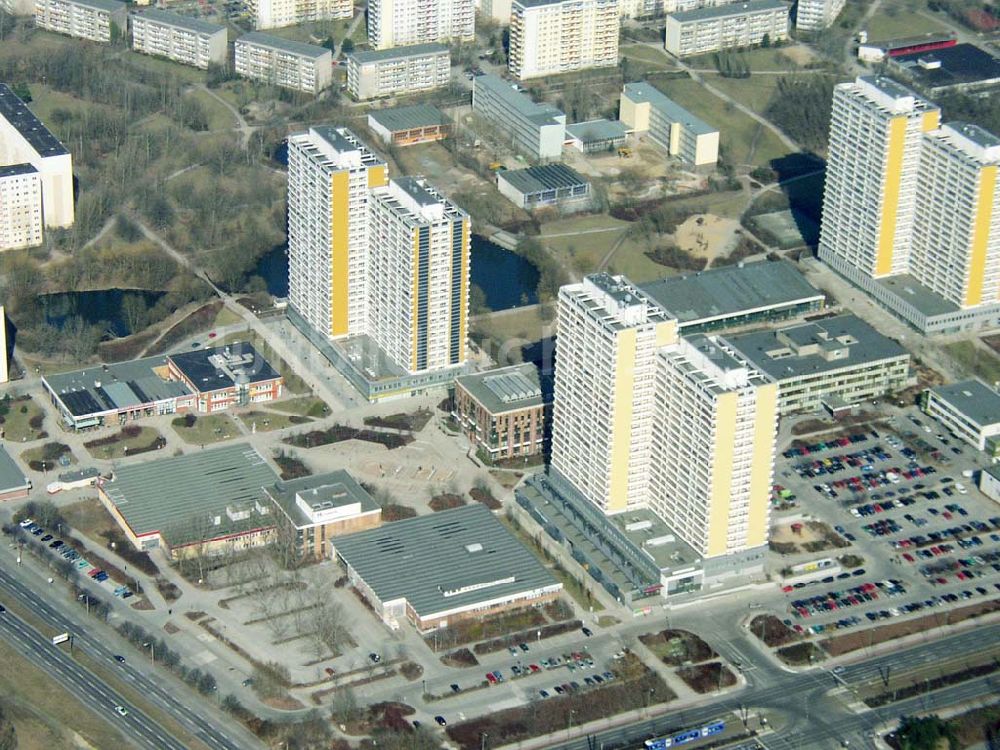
96 20
183 39
283 62
955 249
273 14
608 334
911 210
644 418
816 15
710 29
712 457
397 23
330 174
418 276
548 37
36 176
876 128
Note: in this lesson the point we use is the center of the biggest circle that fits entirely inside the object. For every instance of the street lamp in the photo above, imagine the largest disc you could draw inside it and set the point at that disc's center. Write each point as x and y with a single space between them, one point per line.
150 644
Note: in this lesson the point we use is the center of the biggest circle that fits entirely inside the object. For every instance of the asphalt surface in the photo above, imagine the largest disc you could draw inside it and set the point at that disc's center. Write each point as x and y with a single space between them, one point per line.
97 693
814 717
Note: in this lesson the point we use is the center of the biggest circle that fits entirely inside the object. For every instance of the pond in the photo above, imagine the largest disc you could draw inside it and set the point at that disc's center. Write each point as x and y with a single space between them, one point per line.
102 306
507 279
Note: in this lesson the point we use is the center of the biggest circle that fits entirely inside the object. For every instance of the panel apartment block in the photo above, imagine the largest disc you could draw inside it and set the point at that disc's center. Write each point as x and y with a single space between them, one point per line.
86 19
646 110
183 39
274 14
418 284
816 15
548 37
31 159
403 70
398 23
280 62
697 32
330 174
537 130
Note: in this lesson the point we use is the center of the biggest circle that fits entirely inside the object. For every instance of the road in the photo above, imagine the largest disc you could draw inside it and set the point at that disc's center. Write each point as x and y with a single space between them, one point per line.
814 718
186 707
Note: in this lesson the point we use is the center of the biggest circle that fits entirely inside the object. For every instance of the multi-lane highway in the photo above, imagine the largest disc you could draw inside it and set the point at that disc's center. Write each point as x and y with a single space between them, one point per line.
212 729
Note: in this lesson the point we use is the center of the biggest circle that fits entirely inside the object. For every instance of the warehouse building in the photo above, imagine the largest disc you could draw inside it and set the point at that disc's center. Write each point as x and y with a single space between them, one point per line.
183 39
317 508
547 185
969 410
962 67
594 136
503 412
282 62
832 363
406 126
203 503
445 567
644 109
536 130
400 70
734 296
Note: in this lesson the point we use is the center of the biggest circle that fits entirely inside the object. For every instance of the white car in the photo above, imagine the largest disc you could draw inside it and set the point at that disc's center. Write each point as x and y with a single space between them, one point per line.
121 710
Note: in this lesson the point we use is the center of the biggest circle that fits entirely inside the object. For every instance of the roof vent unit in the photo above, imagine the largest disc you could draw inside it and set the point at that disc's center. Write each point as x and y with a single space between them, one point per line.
474 547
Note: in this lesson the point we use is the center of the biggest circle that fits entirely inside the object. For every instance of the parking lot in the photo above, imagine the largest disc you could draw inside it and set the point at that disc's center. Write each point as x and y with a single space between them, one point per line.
905 499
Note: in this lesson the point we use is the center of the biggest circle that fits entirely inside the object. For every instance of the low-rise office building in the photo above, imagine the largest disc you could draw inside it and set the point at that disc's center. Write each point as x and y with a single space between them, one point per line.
826 363
546 185
36 176
406 126
442 568
536 130
313 510
594 136
698 32
734 296
400 70
200 504
183 39
282 62
645 110
969 410
502 412
226 376
96 20
14 485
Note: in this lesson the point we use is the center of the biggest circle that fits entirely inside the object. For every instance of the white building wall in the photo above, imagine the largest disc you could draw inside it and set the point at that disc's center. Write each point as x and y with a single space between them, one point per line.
20 210
398 23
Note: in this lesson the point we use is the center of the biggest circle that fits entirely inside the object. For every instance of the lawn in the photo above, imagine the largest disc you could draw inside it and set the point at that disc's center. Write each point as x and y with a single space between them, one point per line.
46 715
755 92
90 518
184 73
50 453
268 421
893 22
23 420
219 118
210 428
523 324
578 248
975 360
314 33
308 406
744 140
630 259
123 443
647 57
226 317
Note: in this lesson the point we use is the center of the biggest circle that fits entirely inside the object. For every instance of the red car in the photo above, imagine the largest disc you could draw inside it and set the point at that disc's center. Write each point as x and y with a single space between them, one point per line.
492 679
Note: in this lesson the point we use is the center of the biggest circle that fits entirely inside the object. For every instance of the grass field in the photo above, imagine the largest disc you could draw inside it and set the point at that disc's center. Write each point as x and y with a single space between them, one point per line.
268 421
45 715
755 92
630 259
90 518
308 406
743 140
211 428
225 317
118 450
975 360
524 324
582 253
219 118
649 58
37 454
318 32
893 22
17 423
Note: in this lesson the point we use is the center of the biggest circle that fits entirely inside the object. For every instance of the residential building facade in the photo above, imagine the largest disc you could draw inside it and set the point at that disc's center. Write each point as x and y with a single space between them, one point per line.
36 176
183 39
96 20
710 29
281 62
274 14
330 174
537 130
403 70
418 293
645 110
502 412
712 458
549 37
816 15
399 23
